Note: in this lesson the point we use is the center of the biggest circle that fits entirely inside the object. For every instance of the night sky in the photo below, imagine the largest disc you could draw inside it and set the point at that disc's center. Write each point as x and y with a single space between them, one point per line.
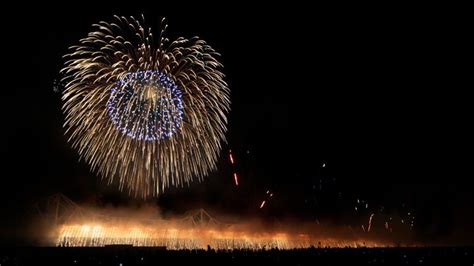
382 100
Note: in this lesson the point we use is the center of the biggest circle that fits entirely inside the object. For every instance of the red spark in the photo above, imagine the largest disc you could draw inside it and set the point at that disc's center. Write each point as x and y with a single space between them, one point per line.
236 179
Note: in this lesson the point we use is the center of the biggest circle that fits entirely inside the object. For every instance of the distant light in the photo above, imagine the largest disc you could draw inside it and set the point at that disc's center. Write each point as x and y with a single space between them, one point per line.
324 165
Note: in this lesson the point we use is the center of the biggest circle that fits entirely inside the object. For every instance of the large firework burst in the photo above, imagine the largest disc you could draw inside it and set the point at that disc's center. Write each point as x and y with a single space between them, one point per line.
150 114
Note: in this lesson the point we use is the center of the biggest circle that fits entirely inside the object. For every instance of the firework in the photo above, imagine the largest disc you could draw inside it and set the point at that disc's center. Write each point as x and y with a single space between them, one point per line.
146 114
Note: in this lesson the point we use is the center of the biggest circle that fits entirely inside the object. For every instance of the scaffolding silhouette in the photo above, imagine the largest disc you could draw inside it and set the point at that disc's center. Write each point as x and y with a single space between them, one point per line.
59 209
199 217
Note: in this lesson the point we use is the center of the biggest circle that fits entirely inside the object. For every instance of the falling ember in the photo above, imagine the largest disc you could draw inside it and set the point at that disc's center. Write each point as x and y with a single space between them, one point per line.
231 158
370 222
363 228
263 204
236 179
271 195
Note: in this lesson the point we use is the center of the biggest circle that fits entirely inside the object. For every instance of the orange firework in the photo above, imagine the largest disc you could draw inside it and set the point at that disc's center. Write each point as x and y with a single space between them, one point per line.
173 236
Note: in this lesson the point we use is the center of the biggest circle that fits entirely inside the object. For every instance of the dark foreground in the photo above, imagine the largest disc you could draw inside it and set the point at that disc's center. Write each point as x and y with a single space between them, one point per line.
124 256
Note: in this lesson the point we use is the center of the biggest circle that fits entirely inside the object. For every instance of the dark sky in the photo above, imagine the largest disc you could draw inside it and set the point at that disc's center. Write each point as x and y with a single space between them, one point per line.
382 99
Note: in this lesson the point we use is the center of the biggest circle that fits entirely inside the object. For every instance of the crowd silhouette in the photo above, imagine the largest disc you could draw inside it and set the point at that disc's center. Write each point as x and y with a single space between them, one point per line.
126 255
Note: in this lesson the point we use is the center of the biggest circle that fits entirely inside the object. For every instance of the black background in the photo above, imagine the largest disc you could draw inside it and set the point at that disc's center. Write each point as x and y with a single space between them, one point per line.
381 97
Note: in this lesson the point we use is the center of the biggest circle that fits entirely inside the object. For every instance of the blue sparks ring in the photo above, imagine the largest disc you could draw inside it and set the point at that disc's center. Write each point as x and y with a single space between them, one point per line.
146 105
